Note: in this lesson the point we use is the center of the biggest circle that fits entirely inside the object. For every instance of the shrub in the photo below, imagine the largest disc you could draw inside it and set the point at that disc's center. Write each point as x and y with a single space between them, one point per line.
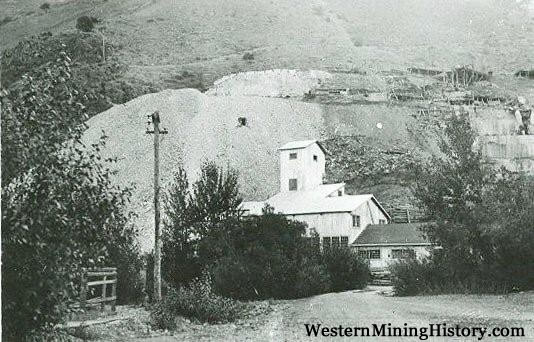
231 278
86 23
45 6
411 277
248 56
130 287
195 301
312 279
346 270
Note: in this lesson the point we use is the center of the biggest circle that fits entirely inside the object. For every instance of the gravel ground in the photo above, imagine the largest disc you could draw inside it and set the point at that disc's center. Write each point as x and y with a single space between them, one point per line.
363 308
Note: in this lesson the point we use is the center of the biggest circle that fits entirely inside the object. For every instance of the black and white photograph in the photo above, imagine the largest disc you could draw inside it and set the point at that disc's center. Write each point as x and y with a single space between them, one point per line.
267 170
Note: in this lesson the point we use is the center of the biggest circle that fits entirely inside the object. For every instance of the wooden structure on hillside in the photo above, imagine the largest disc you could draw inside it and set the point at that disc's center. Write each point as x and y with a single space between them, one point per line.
426 72
101 278
464 76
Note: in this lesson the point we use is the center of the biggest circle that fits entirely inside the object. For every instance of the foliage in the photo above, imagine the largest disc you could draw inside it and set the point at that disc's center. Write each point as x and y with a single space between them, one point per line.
99 85
483 217
196 301
60 211
45 6
248 56
270 257
411 276
312 279
214 197
267 252
347 271
86 23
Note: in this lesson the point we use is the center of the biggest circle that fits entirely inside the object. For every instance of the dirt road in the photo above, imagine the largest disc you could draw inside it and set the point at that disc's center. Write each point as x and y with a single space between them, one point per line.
365 308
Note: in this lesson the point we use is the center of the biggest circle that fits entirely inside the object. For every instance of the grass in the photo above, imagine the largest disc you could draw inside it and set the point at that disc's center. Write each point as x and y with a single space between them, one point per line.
285 34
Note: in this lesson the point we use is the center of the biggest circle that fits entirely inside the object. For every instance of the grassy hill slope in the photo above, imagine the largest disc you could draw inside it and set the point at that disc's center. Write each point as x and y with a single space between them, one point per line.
160 39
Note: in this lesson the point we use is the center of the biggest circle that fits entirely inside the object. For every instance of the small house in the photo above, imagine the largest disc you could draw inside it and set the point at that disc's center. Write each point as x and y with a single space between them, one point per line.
384 244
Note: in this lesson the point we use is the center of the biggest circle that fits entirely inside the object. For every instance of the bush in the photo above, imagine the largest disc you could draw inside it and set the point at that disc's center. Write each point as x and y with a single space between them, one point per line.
312 279
412 277
45 6
248 56
346 270
85 23
231 278
130 287
438 274
195 301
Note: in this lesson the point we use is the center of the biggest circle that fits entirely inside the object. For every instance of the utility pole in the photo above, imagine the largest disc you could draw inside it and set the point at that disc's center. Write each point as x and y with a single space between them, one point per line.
157 231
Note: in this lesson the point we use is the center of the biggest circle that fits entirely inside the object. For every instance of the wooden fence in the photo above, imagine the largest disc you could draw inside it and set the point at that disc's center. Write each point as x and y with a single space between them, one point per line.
99 277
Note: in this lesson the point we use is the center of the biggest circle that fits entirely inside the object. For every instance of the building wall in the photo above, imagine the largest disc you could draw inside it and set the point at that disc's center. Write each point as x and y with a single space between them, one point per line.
386 254
309 173
329 224
370 214
340 224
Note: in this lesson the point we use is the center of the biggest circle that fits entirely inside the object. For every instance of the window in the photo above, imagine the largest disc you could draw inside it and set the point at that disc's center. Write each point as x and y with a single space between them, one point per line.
406 253
370 254
344 241
315 157
382 221
374 254
335 241
340 193
293 155
292 184
326 242
356 220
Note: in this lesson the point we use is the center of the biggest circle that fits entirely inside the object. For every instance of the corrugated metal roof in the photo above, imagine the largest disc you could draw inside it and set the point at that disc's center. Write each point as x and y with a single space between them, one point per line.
391 234
294 145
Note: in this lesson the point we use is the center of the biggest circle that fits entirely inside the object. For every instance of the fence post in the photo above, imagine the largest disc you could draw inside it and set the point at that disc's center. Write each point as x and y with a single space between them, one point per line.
104 286
83 292
114 293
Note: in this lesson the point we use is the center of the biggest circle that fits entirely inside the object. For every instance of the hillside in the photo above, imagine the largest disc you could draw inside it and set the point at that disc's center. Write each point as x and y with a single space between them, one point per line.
160 39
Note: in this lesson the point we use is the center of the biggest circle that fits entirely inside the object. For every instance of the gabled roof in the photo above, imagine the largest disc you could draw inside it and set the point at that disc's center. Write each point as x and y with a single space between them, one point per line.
295 145
391 234
318 201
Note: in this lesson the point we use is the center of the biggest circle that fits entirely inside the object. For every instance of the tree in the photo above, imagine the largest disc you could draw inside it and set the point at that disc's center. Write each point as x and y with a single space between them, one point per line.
180 263
190 215
60 210
483 216
215 196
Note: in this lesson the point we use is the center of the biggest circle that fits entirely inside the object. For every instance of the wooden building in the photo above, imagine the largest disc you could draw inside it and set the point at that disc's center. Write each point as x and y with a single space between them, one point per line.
336 217
383 245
